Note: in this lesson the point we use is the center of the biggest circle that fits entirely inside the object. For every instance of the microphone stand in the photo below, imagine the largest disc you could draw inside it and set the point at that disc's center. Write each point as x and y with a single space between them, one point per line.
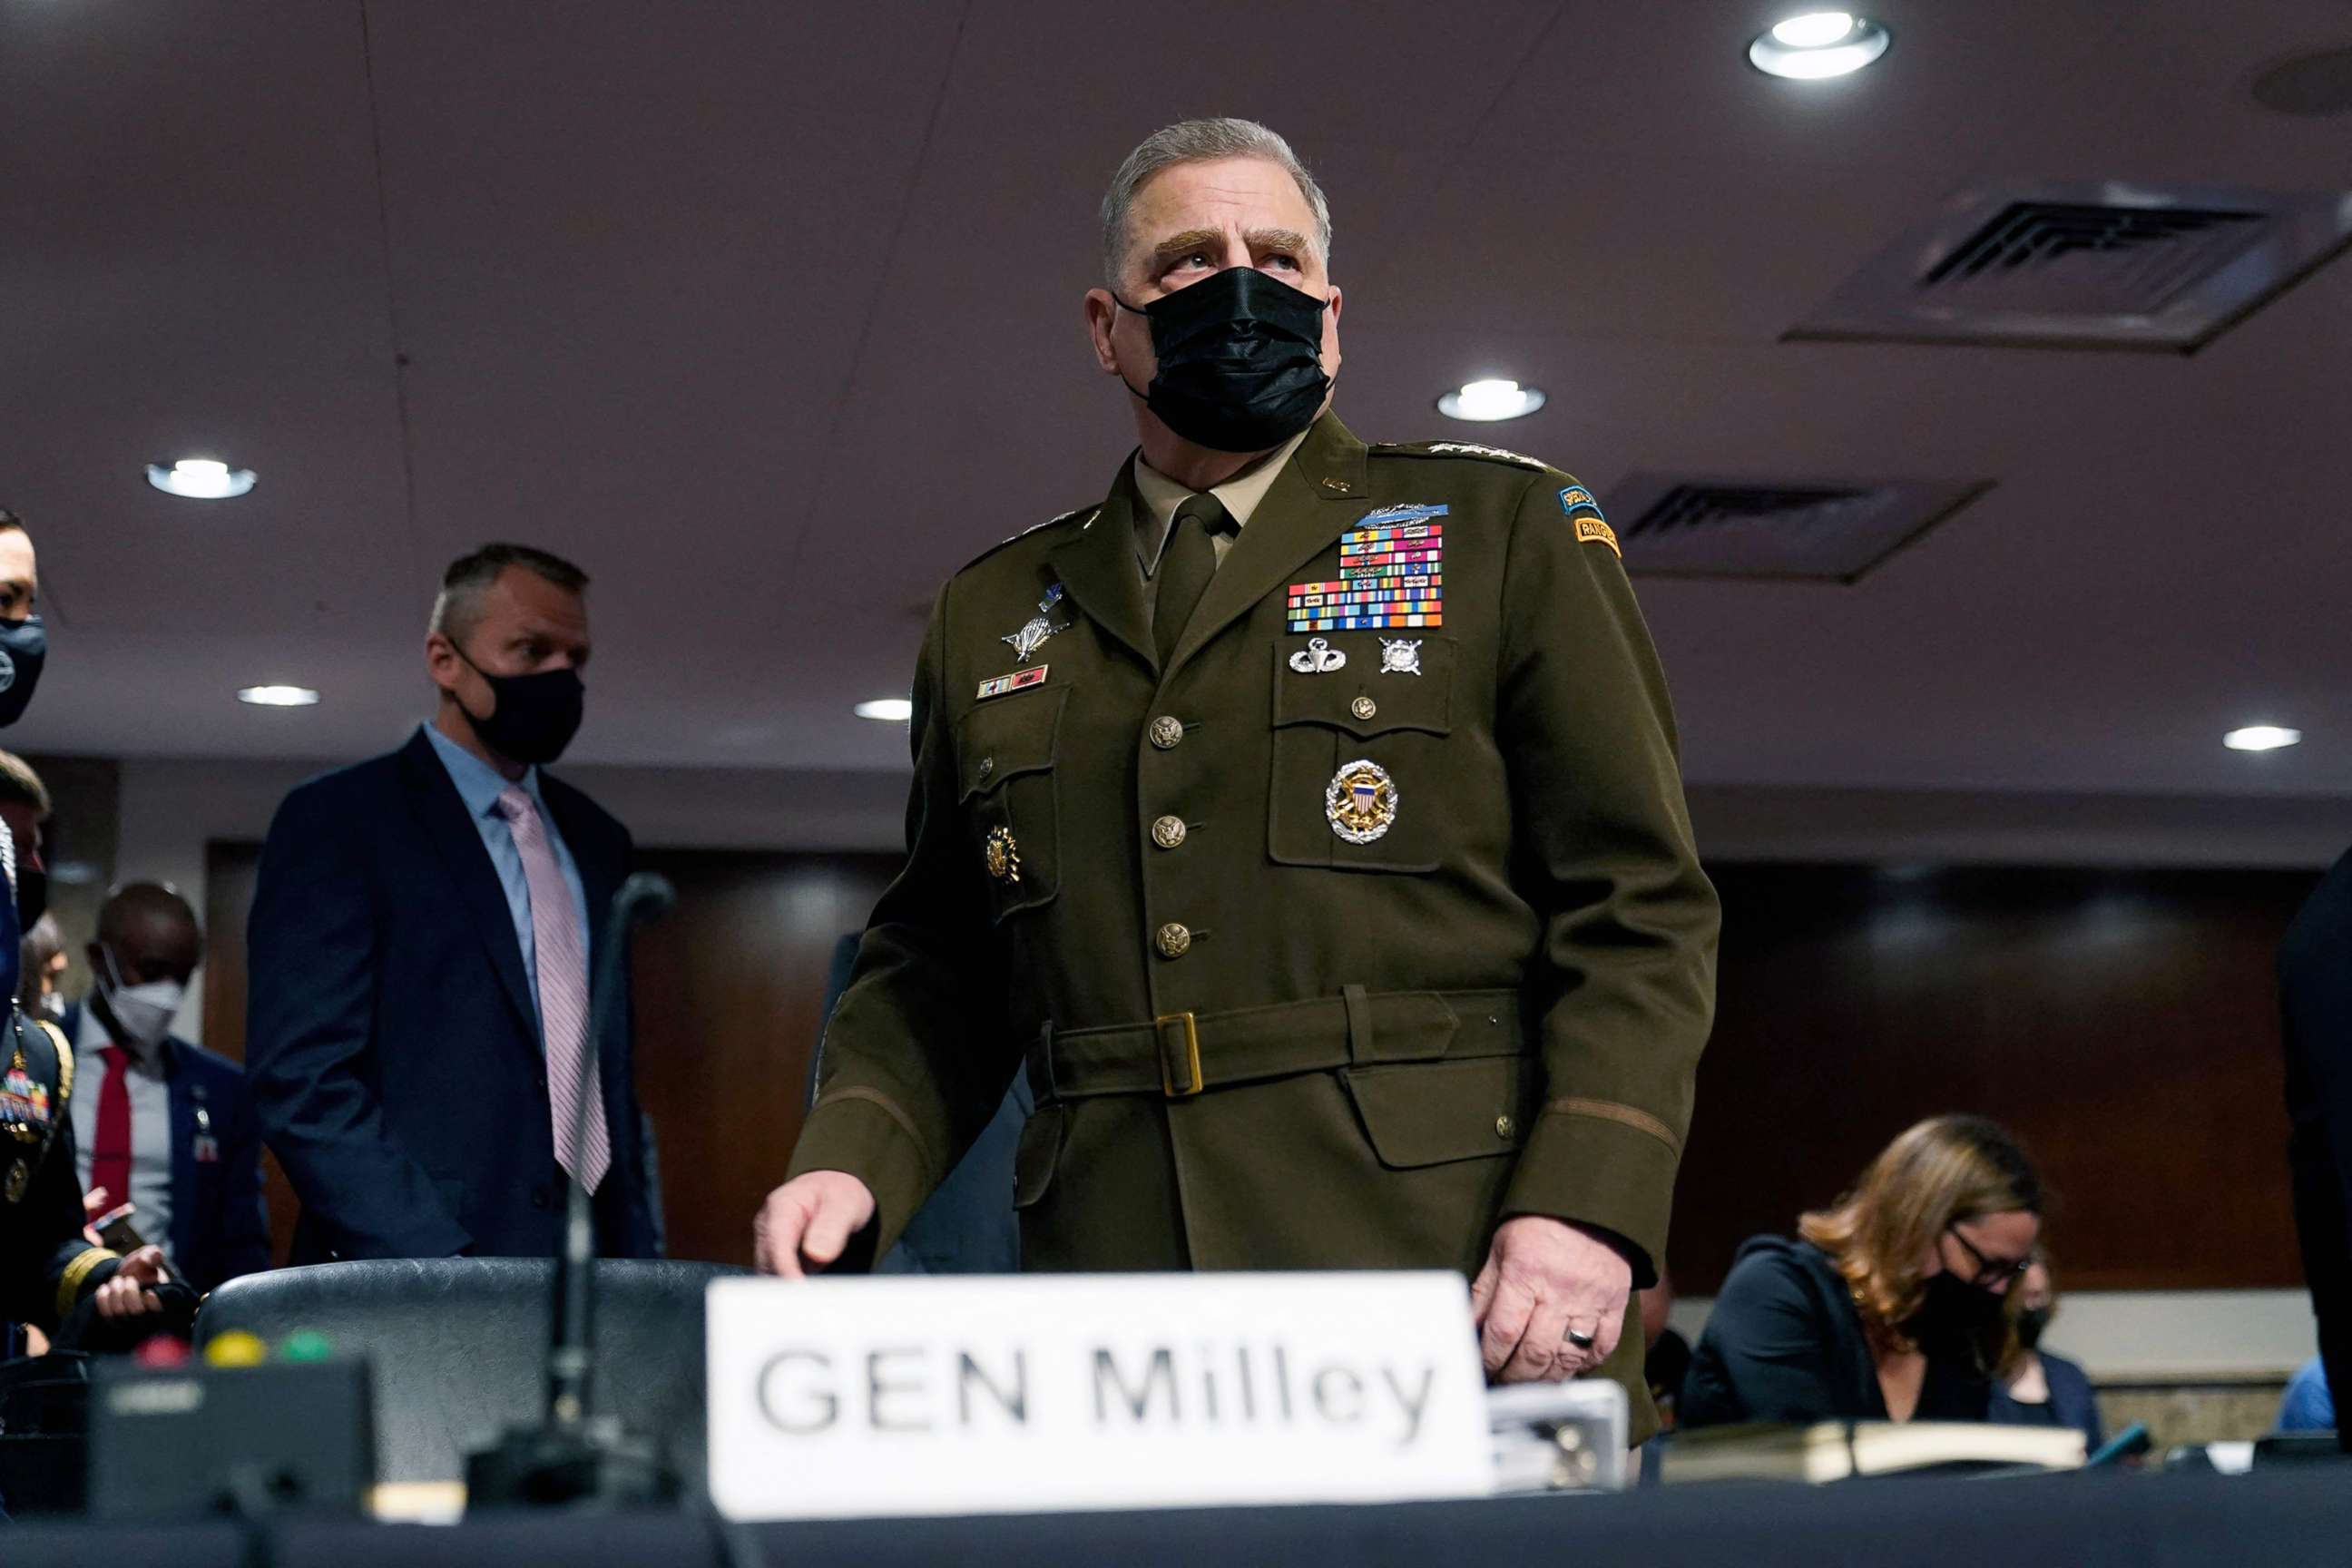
572 1457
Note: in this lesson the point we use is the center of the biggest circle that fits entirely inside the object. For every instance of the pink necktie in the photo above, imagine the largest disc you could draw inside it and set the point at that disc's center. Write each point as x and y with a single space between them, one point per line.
562 959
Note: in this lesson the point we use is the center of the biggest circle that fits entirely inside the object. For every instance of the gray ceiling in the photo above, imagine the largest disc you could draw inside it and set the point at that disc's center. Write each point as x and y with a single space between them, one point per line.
768 314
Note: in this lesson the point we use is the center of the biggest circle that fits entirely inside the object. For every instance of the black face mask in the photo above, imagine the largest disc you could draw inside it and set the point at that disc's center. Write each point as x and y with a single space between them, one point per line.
2030 1324
1241 361
32 895
24 649
536 716
1955 1317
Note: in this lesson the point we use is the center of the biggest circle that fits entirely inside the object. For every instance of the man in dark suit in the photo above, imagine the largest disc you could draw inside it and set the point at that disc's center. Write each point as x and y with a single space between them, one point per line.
162 1123
2316 1002
421 939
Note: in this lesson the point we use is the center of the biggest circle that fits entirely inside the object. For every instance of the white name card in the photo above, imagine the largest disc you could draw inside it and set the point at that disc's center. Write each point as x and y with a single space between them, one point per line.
1034 1394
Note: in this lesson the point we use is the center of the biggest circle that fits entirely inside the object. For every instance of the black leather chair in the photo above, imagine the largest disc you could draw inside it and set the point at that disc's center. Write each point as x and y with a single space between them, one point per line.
458 1346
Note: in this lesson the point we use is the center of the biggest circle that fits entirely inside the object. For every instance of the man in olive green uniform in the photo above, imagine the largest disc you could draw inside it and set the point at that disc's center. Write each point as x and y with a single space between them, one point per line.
47 1268
1305 817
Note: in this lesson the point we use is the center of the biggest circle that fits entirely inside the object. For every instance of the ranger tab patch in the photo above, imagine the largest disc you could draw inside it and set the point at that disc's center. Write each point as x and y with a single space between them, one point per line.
1592 530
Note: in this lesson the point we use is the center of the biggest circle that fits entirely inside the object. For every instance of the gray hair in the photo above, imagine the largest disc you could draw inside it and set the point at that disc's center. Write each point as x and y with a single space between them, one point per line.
1198 141
459 607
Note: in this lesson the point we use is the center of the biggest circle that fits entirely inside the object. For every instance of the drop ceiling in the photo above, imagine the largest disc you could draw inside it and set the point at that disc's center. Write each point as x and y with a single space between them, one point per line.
769 315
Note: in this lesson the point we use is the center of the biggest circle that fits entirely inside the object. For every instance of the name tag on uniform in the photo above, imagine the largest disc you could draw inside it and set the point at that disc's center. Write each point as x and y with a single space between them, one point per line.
1027 1394
997 686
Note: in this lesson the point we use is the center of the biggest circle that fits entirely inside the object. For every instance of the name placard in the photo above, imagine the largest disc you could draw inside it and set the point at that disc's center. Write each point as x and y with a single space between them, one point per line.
1031 1393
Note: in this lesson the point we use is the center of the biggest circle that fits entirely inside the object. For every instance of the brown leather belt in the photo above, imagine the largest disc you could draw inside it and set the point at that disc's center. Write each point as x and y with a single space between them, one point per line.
1179 1055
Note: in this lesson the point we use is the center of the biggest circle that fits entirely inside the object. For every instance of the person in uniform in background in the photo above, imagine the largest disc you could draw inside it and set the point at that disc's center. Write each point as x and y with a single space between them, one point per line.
160 1123
50 1273
1308 813
1895 1305
42 963
2040 1387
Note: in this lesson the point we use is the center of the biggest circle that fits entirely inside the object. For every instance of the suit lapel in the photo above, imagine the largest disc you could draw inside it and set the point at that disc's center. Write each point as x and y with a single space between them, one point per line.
1318 494
442 822
1097 567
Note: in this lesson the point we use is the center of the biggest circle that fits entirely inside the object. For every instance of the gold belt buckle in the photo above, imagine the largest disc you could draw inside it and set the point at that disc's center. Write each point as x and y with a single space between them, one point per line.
1192 1084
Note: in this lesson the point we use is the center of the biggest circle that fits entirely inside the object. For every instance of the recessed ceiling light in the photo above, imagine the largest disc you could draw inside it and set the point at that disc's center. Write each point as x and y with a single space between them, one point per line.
890 710
200 478
2261 738
278 696
1819 44
1489 400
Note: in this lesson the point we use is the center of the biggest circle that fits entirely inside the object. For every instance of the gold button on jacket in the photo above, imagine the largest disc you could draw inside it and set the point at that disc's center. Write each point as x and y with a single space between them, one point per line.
1495 1004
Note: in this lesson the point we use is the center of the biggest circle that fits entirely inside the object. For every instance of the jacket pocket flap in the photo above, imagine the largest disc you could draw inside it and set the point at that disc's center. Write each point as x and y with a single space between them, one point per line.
1360 697
1007 737
1430 1114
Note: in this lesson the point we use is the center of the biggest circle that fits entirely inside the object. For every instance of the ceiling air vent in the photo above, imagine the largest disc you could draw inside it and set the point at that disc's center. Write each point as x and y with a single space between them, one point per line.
2094 265
1684 527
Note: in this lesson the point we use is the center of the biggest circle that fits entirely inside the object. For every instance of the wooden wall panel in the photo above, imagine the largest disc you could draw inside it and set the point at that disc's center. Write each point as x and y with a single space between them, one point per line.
728 996
2124 1024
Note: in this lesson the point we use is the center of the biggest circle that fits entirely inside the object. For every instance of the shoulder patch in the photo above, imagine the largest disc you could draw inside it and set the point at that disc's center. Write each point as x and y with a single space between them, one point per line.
1054 521
1574 498
1592 530
65 1058
1082 516
1455 449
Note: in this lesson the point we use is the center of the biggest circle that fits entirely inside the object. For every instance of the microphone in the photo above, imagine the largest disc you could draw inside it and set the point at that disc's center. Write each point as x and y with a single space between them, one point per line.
571 1457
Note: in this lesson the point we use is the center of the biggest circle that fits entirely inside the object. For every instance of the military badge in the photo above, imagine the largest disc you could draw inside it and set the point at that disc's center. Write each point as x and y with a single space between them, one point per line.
1362 802
1592 530
20 1176
1472 449
1317 658
1409 513
997 686
1003 855
23 1104
1401 656
1037 627
1391 575
1576 498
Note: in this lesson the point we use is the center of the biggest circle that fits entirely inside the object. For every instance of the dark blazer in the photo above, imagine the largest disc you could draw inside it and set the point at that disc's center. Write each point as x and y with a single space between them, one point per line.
2315 971
220 1226
1785 1343
391 1038
2073 1402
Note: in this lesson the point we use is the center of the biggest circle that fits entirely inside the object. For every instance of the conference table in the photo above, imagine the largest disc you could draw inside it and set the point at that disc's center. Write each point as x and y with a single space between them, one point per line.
2293 1514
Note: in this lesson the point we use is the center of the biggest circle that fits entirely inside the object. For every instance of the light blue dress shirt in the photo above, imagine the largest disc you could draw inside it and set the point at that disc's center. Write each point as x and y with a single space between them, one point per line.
479 786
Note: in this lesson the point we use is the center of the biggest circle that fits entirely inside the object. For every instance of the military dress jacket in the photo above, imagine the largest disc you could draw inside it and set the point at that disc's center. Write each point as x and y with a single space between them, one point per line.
46 1266
1324 946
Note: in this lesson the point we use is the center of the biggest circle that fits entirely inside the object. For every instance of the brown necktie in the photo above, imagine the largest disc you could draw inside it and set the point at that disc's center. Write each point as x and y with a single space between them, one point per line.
1186 564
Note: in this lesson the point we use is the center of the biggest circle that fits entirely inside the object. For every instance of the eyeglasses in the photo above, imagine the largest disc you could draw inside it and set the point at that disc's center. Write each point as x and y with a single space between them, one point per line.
1990 1271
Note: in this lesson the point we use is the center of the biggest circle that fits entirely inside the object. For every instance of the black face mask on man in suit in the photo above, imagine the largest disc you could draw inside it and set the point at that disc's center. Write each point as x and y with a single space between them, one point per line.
534 717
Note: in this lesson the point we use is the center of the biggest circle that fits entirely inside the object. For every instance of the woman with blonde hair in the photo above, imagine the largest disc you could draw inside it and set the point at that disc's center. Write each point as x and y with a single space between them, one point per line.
1894 1305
